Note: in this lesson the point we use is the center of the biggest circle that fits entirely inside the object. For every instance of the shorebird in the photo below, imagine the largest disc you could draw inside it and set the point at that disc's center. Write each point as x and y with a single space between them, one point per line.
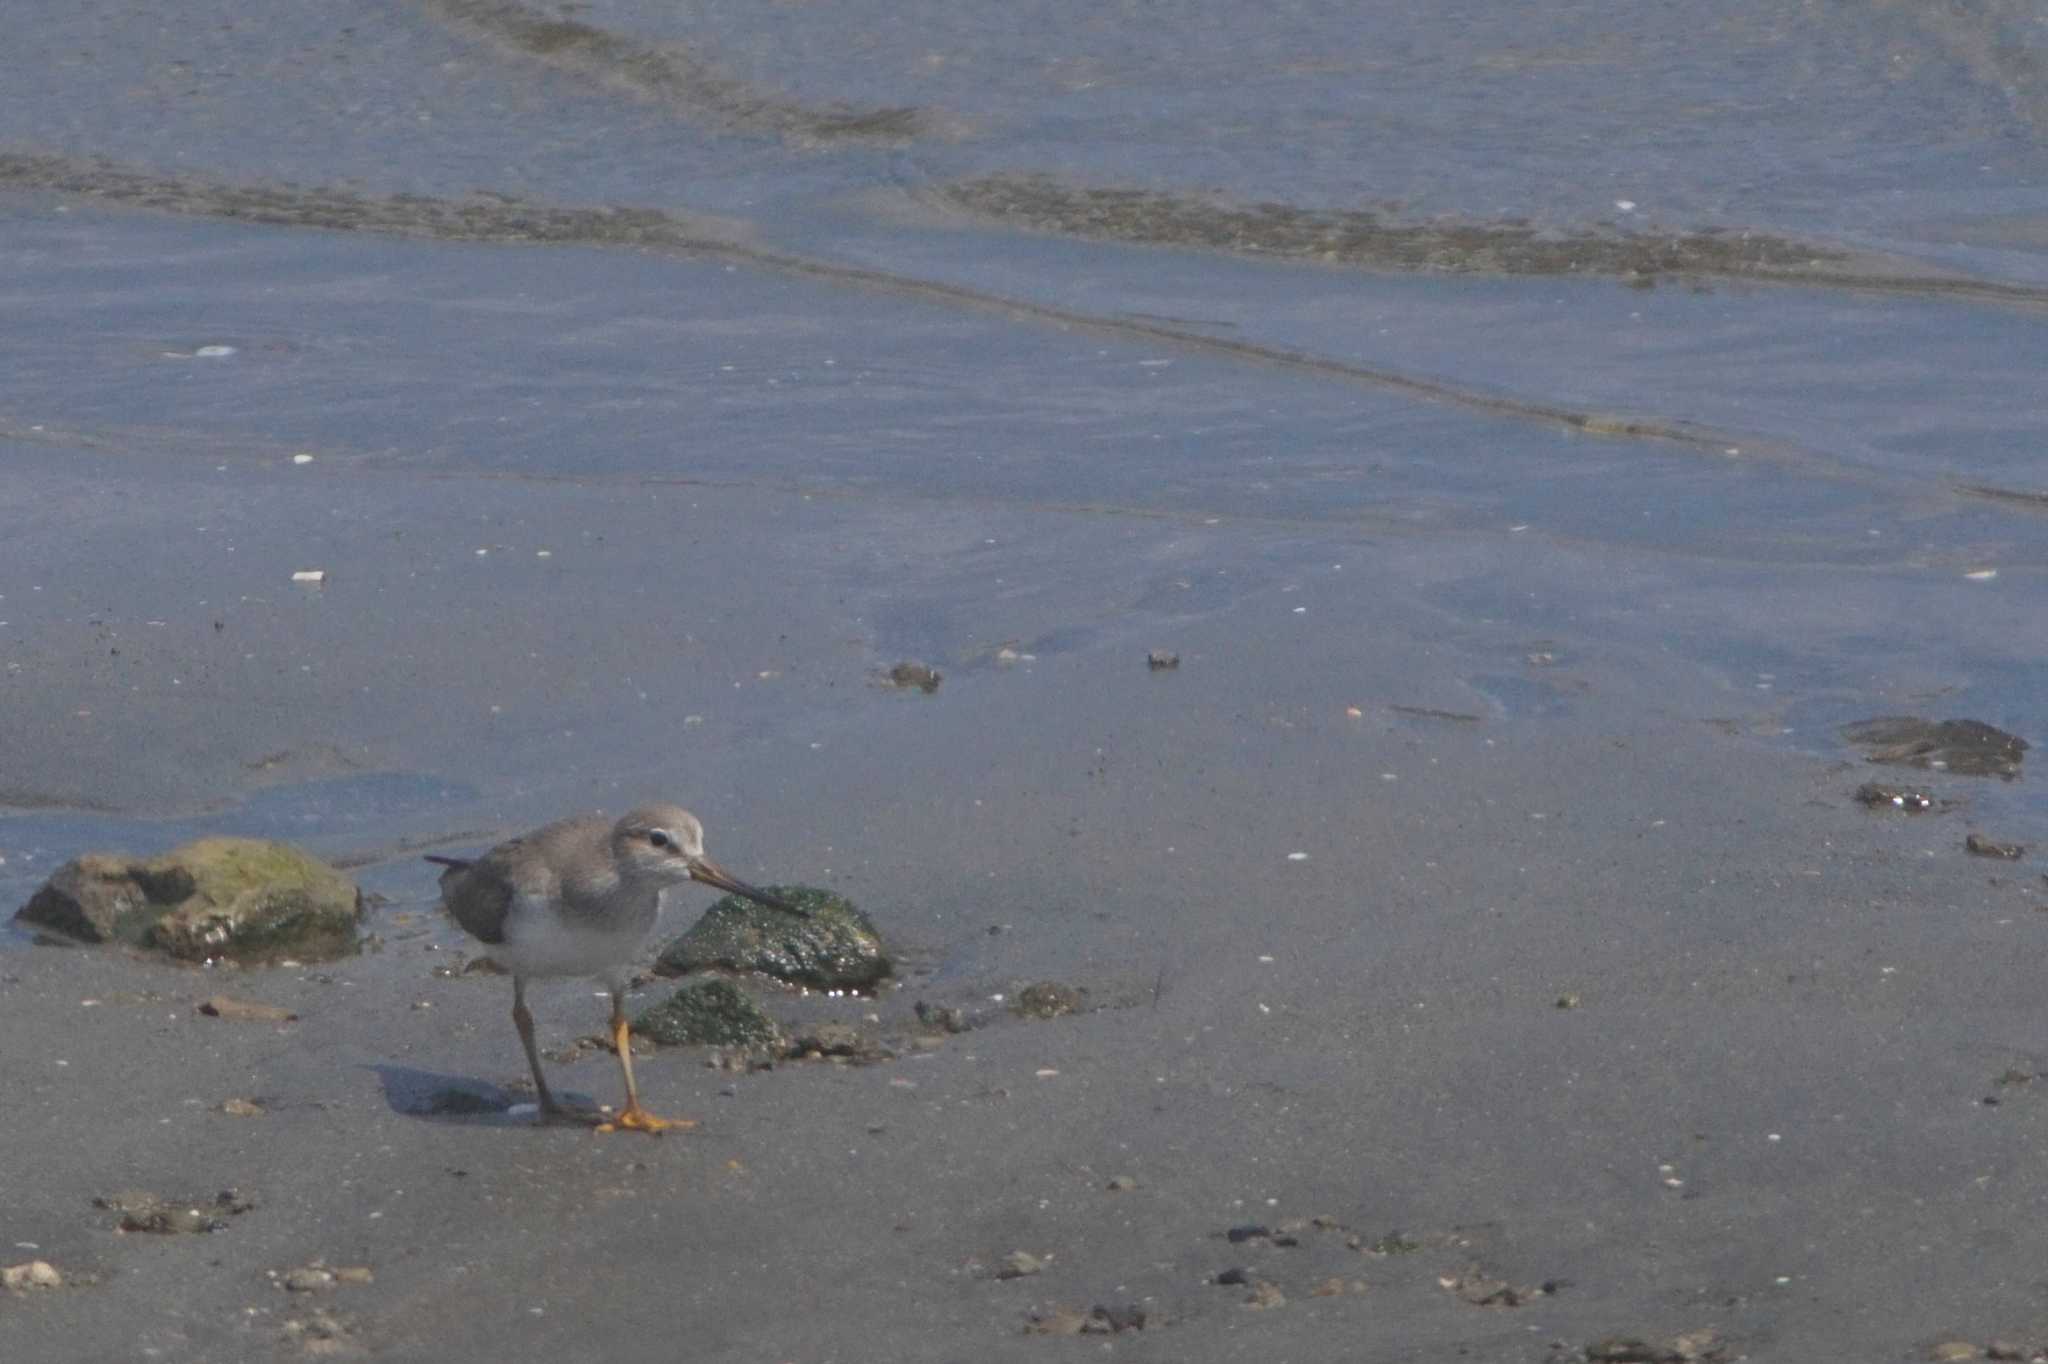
578 898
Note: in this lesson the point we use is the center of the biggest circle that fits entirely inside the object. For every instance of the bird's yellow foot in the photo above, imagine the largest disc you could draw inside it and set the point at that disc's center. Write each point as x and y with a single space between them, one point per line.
634 1118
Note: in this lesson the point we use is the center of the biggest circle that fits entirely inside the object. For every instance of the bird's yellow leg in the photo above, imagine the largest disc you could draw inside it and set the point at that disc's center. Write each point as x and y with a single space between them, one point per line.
634 1118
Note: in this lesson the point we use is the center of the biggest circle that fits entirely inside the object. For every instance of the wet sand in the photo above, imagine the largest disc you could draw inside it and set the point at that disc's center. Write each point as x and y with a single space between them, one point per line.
1766 1114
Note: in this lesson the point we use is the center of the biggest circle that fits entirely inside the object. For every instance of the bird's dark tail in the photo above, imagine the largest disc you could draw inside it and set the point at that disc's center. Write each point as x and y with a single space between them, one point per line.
458 863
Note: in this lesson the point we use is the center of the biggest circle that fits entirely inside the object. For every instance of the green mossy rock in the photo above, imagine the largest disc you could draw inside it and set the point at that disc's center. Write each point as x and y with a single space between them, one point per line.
709 1013
833 947
245 899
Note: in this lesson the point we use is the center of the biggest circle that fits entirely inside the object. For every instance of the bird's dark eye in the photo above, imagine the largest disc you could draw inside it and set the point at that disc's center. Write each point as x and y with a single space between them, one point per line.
660 839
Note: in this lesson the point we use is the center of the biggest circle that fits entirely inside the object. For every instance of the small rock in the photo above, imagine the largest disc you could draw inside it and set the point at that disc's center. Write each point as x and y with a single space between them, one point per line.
31 1274
1328 1288
944 1017
1249 1232
1984 847
354 1274
1879 795
1265 1295
1160 660
1954 1350
245 1011
145 1212
910 673
1019 1264
2004 1349
309 1279
1046 999
242 1108
1233 1277
836 1041
1121 1184
1567 1001
1110 1320
1057 1321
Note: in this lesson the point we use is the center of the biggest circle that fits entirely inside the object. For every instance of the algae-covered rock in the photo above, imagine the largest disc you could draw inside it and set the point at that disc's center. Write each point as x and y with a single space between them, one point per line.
1968 748
247 899
713 1013
832 946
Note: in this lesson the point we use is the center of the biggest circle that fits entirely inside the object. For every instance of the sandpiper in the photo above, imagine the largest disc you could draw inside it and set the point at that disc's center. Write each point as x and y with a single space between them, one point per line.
578 898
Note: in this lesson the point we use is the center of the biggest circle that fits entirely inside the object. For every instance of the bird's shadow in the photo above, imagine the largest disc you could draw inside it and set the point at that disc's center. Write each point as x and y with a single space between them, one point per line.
460 1100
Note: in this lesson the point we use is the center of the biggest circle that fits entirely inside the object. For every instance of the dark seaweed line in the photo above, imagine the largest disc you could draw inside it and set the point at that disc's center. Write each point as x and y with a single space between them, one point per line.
499 219
2012 497
1364 239
669 74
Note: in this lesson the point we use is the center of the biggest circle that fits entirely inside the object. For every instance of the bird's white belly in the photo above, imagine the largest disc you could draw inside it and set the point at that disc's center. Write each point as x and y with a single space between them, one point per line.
540 943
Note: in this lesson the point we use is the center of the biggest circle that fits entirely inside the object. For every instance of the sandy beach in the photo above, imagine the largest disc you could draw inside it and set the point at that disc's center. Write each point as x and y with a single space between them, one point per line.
421 422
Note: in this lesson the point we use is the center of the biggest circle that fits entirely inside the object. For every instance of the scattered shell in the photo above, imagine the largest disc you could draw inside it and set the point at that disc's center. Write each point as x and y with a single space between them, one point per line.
29 1275
1161 660
1019 1264
310 575
242 1108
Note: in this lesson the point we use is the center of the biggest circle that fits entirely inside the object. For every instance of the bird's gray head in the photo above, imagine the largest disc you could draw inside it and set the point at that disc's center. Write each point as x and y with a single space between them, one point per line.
665 843
659 842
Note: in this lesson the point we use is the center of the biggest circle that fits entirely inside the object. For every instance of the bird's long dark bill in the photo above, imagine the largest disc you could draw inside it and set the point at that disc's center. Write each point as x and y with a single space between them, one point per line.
711 874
